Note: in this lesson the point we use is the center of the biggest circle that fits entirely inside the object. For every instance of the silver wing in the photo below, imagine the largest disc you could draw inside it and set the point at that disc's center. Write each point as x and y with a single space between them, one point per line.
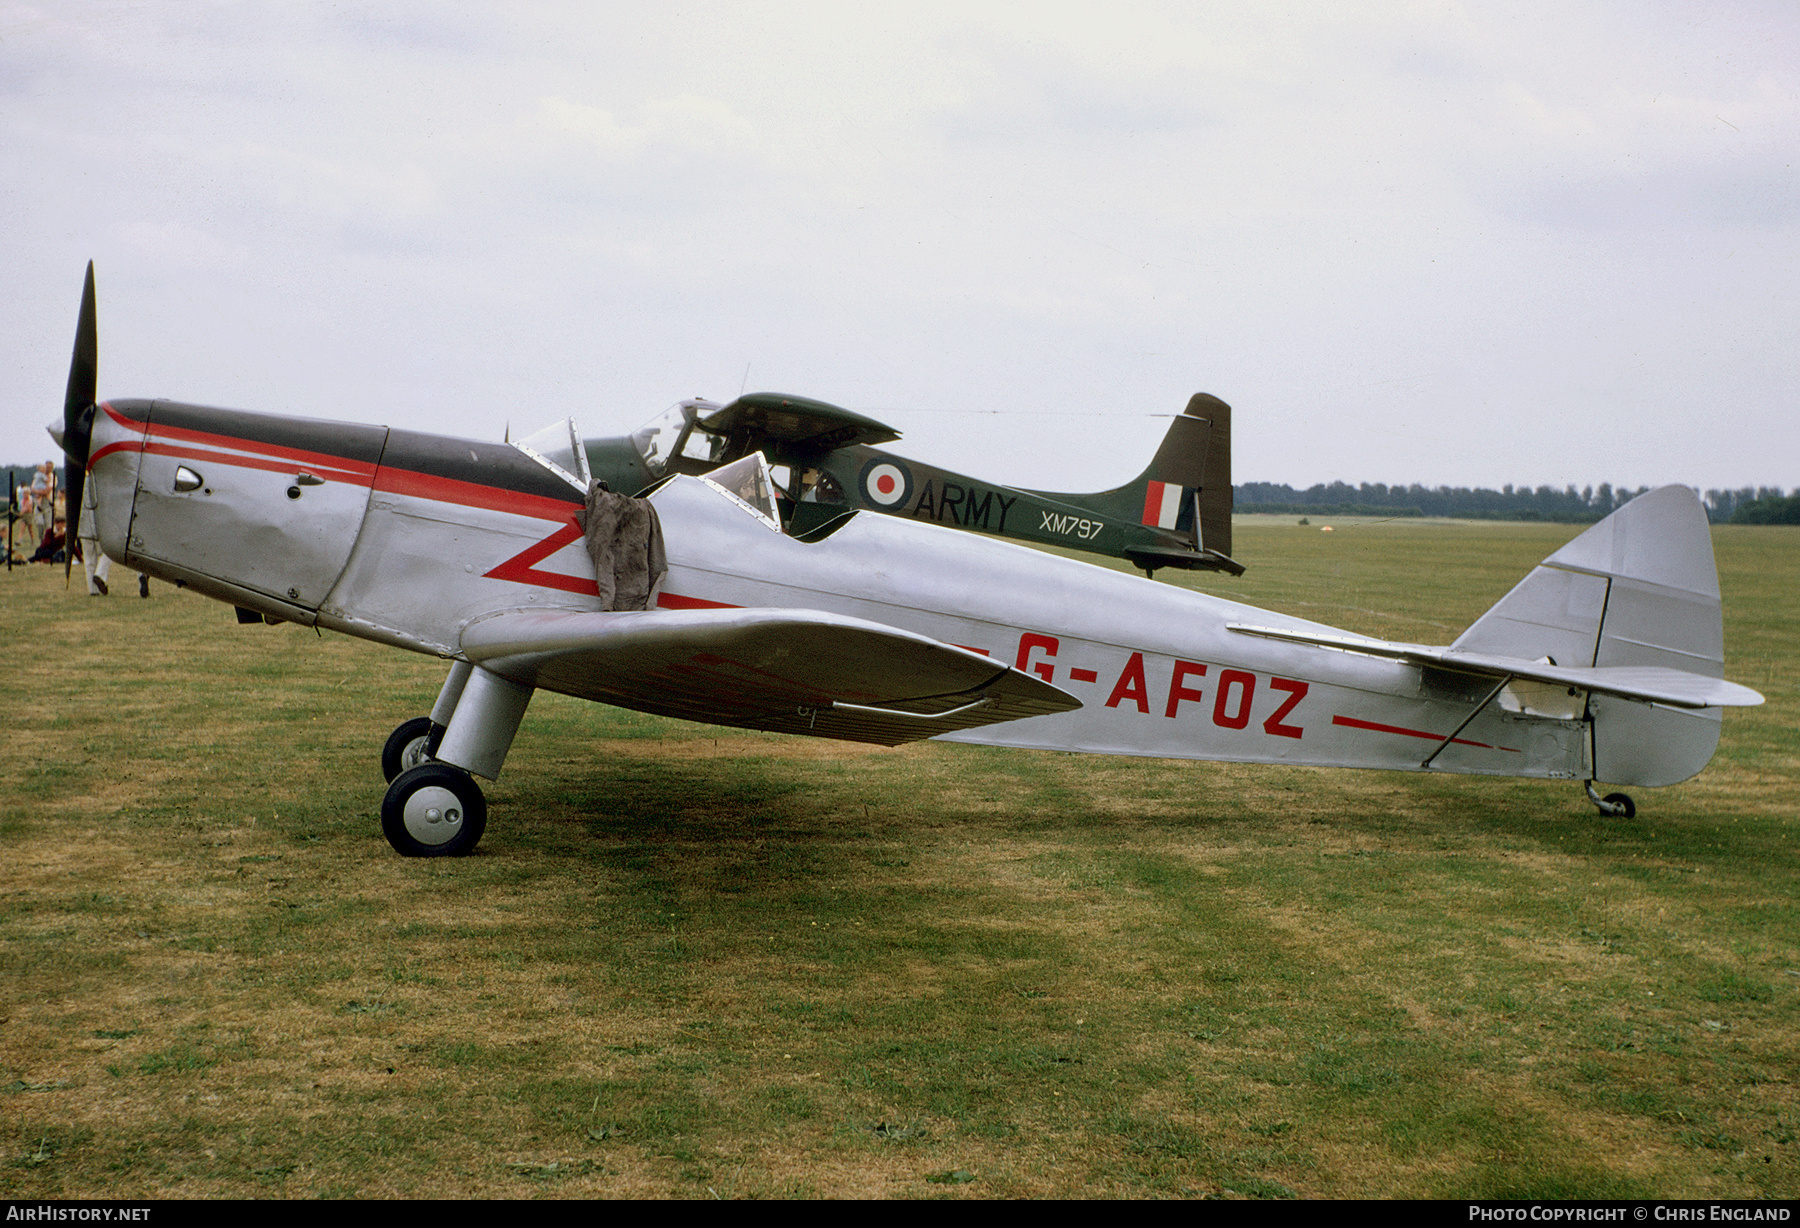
792 671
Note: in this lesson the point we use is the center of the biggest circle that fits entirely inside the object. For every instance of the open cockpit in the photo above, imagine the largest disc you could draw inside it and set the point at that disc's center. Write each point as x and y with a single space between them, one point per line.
801 500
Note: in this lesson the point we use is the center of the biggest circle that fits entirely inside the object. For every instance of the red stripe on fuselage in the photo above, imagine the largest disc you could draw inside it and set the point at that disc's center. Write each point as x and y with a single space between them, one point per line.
130 445
675 601
385 478
240 461
521 568
1353 723
130 424
471 494
349 470
126 445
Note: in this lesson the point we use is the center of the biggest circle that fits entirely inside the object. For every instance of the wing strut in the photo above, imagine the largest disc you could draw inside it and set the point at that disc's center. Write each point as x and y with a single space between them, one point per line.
1467 720
983 702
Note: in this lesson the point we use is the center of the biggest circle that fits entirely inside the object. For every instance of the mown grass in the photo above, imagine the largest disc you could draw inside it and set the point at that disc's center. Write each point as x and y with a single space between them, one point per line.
690 962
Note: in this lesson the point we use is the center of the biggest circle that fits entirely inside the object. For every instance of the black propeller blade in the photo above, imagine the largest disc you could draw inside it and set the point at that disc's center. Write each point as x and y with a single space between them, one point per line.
78 419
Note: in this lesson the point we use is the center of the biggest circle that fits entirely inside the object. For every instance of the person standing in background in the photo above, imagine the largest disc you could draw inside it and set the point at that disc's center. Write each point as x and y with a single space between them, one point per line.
96 564
18 513
43 499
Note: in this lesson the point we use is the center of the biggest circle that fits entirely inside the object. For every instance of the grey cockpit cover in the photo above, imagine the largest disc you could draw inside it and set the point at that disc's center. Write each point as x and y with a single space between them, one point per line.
624 538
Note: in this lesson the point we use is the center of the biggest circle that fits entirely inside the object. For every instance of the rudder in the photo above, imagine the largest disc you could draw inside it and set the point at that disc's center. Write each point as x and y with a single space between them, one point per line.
1196 456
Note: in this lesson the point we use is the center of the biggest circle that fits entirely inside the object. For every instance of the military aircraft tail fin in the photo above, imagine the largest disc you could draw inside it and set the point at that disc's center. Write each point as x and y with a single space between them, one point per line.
1187 490
1215 474
1183 499
1637 590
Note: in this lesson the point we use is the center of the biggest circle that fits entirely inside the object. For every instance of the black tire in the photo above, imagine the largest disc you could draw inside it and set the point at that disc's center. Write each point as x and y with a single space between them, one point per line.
433 810
409 746
1627 808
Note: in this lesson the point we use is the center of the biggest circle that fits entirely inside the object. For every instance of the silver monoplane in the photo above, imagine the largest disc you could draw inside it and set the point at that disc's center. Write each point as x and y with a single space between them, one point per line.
509 563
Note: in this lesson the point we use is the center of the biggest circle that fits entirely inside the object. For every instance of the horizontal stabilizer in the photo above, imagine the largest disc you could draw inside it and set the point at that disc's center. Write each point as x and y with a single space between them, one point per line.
1655 683
799 422
1152 557
792 671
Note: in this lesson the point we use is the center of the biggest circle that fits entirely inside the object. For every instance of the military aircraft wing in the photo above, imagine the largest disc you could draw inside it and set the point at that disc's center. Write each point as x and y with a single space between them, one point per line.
1655 683
792 671
798 422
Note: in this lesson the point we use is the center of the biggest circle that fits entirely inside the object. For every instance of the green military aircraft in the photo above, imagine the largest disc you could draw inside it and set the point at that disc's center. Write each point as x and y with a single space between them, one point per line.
1177 513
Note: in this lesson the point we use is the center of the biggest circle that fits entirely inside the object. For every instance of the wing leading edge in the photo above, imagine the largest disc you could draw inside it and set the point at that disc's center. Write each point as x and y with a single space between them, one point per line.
790 671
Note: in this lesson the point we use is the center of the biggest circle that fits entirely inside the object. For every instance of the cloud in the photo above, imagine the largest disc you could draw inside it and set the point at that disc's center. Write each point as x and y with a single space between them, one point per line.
1396 238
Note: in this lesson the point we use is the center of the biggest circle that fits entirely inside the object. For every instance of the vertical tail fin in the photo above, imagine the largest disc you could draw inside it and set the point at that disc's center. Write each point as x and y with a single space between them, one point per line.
1215 473
1176 513
1638 589
1183 500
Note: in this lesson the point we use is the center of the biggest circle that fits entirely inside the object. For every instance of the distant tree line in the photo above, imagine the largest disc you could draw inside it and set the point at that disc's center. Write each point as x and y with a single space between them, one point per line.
1567 506
1747 505
1768 507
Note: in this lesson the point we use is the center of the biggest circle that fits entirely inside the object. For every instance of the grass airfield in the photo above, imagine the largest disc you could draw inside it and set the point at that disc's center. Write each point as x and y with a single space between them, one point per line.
689 962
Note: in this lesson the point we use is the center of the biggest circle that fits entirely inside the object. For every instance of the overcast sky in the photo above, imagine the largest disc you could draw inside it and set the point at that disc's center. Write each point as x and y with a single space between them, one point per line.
1409 242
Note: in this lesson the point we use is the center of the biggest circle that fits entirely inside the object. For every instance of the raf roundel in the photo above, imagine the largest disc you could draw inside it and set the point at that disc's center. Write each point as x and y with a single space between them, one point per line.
885 483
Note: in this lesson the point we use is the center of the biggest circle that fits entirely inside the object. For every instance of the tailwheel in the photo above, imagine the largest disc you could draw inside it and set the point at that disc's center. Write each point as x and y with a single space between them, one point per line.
1613 805
413 743
433 810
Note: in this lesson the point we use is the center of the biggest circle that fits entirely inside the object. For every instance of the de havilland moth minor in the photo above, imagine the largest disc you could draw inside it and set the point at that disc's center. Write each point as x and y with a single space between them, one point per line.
521 572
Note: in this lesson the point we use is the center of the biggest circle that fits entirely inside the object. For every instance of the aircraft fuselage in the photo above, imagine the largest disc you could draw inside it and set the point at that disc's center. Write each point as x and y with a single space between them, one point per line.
409 539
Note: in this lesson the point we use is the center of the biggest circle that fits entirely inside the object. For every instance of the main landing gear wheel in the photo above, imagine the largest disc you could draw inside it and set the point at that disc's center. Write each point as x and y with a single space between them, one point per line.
1613 805
409 746
433 810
